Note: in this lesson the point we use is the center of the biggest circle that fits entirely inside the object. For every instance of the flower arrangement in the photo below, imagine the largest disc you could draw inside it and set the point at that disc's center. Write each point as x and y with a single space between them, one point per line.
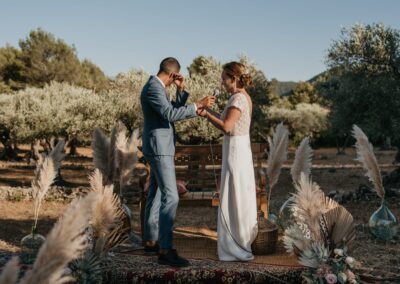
325 267
320 235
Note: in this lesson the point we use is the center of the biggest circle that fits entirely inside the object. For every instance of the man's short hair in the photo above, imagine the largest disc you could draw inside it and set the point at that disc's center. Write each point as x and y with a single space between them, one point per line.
169 65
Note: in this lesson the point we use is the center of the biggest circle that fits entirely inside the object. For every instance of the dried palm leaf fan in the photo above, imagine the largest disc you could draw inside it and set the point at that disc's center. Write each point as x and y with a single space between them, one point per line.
267 236
318 219
301 164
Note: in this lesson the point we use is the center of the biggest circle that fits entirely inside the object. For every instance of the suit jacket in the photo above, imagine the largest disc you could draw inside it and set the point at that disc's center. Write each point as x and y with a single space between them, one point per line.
159 115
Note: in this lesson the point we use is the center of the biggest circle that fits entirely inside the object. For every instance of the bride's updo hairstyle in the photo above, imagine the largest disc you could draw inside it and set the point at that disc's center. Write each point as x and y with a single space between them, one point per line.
238 70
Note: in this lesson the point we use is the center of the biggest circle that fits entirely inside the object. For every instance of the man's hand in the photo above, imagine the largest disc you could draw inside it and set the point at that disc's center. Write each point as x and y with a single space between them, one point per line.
179 81
205 102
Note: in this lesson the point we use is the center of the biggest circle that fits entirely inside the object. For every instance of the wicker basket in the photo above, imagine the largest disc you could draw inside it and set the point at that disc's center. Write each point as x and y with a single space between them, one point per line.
267 237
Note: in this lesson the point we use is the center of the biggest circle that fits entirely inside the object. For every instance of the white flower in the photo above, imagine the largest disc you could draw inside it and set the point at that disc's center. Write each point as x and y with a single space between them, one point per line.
338 252
350 261
343 276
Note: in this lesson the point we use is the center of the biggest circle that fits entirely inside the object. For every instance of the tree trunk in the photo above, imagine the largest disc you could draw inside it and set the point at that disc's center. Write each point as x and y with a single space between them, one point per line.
34 154
59 180
16 149
387 144
9 154
73 145
346 141
341 149
397 157
45 145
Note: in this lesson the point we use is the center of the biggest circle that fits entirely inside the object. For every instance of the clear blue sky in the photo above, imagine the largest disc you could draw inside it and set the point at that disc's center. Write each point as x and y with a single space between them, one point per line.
286 39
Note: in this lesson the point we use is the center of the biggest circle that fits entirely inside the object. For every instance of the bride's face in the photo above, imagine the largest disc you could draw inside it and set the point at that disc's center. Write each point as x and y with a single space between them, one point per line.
229 83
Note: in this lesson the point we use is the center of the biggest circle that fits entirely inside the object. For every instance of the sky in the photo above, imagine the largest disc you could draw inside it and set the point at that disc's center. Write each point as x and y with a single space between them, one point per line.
287 40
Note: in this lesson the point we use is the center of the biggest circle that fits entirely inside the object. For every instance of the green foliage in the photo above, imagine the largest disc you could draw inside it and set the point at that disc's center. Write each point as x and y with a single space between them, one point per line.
302 109
60 109
87 269
124 96
205 78
47 59
280 88
305 92
92 77
10 67
304 120
41 59
369 49
364 81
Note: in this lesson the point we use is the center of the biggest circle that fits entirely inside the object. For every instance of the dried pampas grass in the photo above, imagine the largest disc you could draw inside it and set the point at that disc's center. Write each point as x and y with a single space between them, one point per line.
9 275
365 155
276 157
100 147
308 205
277 153
46 170
105 208
302 161
107 217
115 157
65 242
127 156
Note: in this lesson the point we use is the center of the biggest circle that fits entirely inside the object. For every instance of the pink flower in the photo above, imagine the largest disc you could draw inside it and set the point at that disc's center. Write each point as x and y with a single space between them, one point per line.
320 272
323 270
331 278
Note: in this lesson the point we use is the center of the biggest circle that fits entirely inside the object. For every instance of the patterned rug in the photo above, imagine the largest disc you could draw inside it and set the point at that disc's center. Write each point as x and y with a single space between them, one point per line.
199 245
126 268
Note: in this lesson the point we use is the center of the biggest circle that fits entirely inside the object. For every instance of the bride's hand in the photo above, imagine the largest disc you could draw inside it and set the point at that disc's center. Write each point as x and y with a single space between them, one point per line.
205 102
201 112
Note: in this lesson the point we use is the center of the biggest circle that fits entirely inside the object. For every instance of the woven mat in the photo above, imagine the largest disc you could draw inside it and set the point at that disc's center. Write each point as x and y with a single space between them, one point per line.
201 244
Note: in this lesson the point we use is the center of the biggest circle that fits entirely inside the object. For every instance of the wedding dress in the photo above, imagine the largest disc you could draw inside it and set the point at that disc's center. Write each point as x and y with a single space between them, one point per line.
237 213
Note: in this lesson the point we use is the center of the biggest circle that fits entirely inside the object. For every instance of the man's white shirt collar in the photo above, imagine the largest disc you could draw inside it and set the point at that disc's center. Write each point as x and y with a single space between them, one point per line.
162 83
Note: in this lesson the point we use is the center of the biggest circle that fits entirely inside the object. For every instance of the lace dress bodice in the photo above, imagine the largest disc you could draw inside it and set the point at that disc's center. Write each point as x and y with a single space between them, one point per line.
242 126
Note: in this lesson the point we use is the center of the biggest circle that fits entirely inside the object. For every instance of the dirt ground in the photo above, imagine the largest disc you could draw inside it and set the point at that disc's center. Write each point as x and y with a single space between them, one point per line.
330 171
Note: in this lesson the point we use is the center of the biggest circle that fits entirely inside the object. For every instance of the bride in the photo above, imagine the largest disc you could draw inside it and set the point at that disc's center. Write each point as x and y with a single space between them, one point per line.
237 213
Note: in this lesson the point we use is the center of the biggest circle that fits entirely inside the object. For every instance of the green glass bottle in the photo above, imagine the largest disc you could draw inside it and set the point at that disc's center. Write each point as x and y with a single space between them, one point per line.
383 224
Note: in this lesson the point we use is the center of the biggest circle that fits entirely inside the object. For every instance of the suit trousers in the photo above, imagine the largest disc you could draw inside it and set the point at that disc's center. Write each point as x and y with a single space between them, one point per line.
162 201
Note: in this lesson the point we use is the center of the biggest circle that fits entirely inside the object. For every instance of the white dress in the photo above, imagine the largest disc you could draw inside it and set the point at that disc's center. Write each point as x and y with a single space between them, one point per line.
237 213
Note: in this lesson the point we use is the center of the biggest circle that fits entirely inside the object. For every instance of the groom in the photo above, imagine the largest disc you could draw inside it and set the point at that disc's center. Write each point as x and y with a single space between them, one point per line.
160 113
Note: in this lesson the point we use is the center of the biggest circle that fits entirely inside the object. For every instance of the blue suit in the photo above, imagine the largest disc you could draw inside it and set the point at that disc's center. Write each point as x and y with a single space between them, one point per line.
159 149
